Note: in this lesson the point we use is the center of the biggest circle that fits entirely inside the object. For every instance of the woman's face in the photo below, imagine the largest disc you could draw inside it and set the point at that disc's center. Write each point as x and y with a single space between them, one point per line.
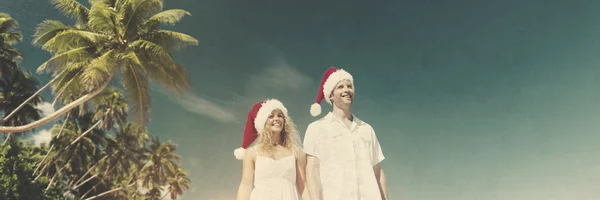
276 121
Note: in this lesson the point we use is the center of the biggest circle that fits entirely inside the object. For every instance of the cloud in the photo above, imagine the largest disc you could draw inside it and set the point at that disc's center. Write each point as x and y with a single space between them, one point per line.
278 77
201 106
43 136
206 107
46 108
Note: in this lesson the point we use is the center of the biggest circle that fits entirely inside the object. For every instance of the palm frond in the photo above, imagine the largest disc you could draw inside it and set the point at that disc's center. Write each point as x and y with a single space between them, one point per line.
47 30
62 59
181 78
11 38
10 54
135 12
72 9
171 40
67 87
99 71
160 66
136 87
4 15
102 17
69 39
167 17
7 23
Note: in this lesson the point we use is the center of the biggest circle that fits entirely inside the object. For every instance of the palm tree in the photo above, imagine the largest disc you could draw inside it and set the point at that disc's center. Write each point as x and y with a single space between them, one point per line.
15 87
110 107
121 156
161 161
178 183
17 159
9 56
112 38
74 161
110 112
115 107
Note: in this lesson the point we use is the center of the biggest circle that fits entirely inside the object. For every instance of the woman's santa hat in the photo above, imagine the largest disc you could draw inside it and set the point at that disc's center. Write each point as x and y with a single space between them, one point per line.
257 117
331 78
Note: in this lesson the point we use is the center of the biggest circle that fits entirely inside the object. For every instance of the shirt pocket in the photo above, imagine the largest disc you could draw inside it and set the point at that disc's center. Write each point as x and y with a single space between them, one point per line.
332 148
366 141
364 144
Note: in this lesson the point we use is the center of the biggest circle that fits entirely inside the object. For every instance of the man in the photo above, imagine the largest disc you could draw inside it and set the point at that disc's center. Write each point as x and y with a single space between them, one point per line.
343 153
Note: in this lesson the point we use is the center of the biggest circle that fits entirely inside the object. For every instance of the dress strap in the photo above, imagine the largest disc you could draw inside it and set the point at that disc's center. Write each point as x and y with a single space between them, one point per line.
293 152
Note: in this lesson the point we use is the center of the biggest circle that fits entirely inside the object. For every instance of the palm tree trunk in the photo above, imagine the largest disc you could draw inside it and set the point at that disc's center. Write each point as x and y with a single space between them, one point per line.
85 133
44 168
90 170
53 177
110 191
63 110
51 181
43 159
106 172
29 99
56 97
87 180
52 147
41 172
90 190
7 138
164 196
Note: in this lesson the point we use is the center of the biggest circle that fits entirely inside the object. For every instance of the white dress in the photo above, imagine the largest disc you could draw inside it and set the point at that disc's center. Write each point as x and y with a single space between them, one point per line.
274 179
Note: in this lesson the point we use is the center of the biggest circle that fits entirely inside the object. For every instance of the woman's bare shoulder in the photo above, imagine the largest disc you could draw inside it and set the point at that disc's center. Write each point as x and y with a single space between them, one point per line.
300 155
251 152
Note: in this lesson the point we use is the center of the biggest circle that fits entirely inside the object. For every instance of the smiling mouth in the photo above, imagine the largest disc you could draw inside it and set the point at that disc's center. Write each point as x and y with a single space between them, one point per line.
347 96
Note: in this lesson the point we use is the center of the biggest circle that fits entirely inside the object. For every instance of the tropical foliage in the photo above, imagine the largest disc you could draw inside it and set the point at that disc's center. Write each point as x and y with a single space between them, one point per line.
100 147
112 39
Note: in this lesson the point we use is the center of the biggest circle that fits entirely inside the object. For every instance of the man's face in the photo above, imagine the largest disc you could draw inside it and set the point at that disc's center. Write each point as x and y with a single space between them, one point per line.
343 94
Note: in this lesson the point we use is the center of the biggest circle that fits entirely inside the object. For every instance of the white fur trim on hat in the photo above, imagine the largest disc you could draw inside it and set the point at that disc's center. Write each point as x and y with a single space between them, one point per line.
239 153
333 80
315 109
265 110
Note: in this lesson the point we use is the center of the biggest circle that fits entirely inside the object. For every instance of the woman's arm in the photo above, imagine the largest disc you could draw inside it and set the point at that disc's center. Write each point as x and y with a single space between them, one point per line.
245 188
301 175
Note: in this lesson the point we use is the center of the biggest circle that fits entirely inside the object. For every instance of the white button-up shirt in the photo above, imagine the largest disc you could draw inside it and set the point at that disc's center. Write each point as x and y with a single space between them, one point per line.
346 156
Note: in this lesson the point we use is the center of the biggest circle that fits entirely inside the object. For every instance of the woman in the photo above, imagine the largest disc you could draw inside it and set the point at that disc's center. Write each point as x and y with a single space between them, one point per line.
276 164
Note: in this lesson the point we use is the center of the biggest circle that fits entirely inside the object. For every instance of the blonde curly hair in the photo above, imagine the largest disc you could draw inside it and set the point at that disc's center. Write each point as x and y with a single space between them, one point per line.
289 136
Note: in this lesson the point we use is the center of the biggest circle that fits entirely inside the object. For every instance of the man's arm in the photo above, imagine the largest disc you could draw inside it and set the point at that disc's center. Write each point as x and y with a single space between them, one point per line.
313 174
376 158
313 178
380 176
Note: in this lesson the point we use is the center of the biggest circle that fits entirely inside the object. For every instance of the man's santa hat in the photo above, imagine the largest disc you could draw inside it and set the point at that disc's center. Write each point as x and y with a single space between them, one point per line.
257 117
331 78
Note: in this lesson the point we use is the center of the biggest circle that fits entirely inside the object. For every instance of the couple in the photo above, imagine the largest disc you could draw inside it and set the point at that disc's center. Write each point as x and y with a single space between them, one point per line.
340 159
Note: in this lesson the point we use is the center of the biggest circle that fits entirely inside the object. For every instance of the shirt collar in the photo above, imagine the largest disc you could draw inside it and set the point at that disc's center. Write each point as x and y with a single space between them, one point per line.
330 117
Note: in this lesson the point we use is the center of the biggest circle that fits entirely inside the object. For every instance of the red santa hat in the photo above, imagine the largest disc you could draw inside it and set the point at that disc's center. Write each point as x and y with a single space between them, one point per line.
331 78
257 117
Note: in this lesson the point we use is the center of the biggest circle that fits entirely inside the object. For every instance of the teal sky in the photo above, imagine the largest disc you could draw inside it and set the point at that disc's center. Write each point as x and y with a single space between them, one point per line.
477 100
